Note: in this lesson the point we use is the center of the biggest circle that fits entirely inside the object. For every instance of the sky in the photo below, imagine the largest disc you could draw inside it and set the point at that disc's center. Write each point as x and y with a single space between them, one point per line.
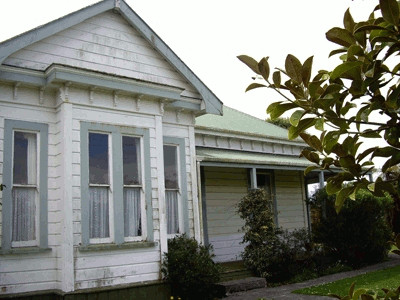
208 35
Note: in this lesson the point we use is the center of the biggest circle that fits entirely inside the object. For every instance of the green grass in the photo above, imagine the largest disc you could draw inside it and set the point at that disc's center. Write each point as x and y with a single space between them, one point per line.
375 281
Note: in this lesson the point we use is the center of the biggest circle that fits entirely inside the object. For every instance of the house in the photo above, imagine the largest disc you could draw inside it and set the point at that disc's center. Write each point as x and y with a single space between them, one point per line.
237 152
103 162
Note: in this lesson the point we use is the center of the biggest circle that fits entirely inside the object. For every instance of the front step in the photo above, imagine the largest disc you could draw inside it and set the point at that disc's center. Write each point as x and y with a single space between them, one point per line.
235 278
245 284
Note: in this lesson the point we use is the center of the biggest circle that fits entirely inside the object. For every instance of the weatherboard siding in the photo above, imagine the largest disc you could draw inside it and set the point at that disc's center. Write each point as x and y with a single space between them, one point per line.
95 269
290 199
225 187
104 43
32 271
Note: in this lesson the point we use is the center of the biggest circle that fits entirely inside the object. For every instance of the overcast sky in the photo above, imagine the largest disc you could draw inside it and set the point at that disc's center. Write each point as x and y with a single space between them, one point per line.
208 35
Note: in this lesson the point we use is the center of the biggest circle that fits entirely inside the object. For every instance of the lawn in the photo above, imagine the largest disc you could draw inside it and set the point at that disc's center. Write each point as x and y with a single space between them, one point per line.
387 278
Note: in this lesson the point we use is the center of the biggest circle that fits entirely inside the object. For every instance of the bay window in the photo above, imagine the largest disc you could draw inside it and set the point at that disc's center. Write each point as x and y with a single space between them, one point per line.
115 184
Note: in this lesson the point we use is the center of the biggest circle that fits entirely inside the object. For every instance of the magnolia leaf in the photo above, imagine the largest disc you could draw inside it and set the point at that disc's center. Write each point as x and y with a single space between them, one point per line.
276 77
348 21
368 28
333 186
310 169
293 68
250 62
302 126
253 86
370 134
349 70
340 36
337 51
272 106
295 117
390 11
312 141
280 109
306 70
364 154
263 67
319 124
355 50
310 155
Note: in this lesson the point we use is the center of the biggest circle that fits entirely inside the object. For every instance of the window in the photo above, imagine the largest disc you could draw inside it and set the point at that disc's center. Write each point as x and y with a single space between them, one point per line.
116 184
25 176
175 185
99 188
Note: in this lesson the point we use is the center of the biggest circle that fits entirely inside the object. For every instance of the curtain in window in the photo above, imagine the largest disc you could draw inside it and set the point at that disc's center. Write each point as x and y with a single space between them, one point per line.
132 217
98 212
24 208
171 197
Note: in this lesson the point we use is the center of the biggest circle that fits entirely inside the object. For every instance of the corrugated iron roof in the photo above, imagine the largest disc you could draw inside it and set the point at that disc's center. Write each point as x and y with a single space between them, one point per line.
235 121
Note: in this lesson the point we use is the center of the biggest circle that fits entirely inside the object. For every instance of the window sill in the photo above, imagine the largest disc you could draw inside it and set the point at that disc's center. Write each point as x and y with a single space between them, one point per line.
24 250
105 247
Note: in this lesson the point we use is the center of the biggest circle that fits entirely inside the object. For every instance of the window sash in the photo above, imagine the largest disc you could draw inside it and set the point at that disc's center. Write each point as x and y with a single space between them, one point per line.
25 202
172 209
133 210
99 214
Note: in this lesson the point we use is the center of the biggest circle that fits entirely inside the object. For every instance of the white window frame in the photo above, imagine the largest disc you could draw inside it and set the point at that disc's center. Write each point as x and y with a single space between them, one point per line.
143 217
109 239
35 242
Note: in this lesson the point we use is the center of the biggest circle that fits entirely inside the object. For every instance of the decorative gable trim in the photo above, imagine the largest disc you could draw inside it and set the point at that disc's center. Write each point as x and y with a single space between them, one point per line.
212 104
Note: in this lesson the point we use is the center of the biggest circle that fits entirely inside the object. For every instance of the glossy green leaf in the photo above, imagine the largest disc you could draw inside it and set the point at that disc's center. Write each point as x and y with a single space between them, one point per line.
254 85
250 62
302 126
337 51
280 109
369 27
310 169
272 106
295 117
293 68
276 77
390 11
312 141
340 36
319 124
310 155
349 70
306 70
263 67
354 50
348 21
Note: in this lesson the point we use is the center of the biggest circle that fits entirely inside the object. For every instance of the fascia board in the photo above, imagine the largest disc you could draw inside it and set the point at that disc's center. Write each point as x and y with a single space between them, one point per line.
213 104
39 33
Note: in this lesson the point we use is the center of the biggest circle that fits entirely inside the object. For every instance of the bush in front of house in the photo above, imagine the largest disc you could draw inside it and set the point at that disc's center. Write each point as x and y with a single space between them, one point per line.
273 253
189 269
359 233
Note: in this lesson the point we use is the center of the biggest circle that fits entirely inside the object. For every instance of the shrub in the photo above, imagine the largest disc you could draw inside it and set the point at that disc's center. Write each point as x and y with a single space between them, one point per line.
189 269
358 234
271 252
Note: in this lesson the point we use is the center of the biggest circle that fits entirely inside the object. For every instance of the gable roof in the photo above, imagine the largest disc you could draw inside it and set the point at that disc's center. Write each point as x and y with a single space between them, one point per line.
212 104
237 122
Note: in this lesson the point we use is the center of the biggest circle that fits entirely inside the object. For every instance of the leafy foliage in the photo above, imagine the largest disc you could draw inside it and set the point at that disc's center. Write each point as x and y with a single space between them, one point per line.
189 269
363 294
359 234
271 252
359 99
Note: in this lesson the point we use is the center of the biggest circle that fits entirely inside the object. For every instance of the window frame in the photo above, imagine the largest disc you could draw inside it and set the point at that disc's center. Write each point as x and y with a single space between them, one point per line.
183 213
109 185
41 213
116 180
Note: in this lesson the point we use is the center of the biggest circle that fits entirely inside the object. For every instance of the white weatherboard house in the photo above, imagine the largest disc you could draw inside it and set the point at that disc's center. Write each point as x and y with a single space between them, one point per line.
103 162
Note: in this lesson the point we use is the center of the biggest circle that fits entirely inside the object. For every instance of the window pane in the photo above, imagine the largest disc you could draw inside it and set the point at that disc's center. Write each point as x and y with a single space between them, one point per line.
25 157
98 158
170 167
171 198
131 159
24 207
132 217
99 212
